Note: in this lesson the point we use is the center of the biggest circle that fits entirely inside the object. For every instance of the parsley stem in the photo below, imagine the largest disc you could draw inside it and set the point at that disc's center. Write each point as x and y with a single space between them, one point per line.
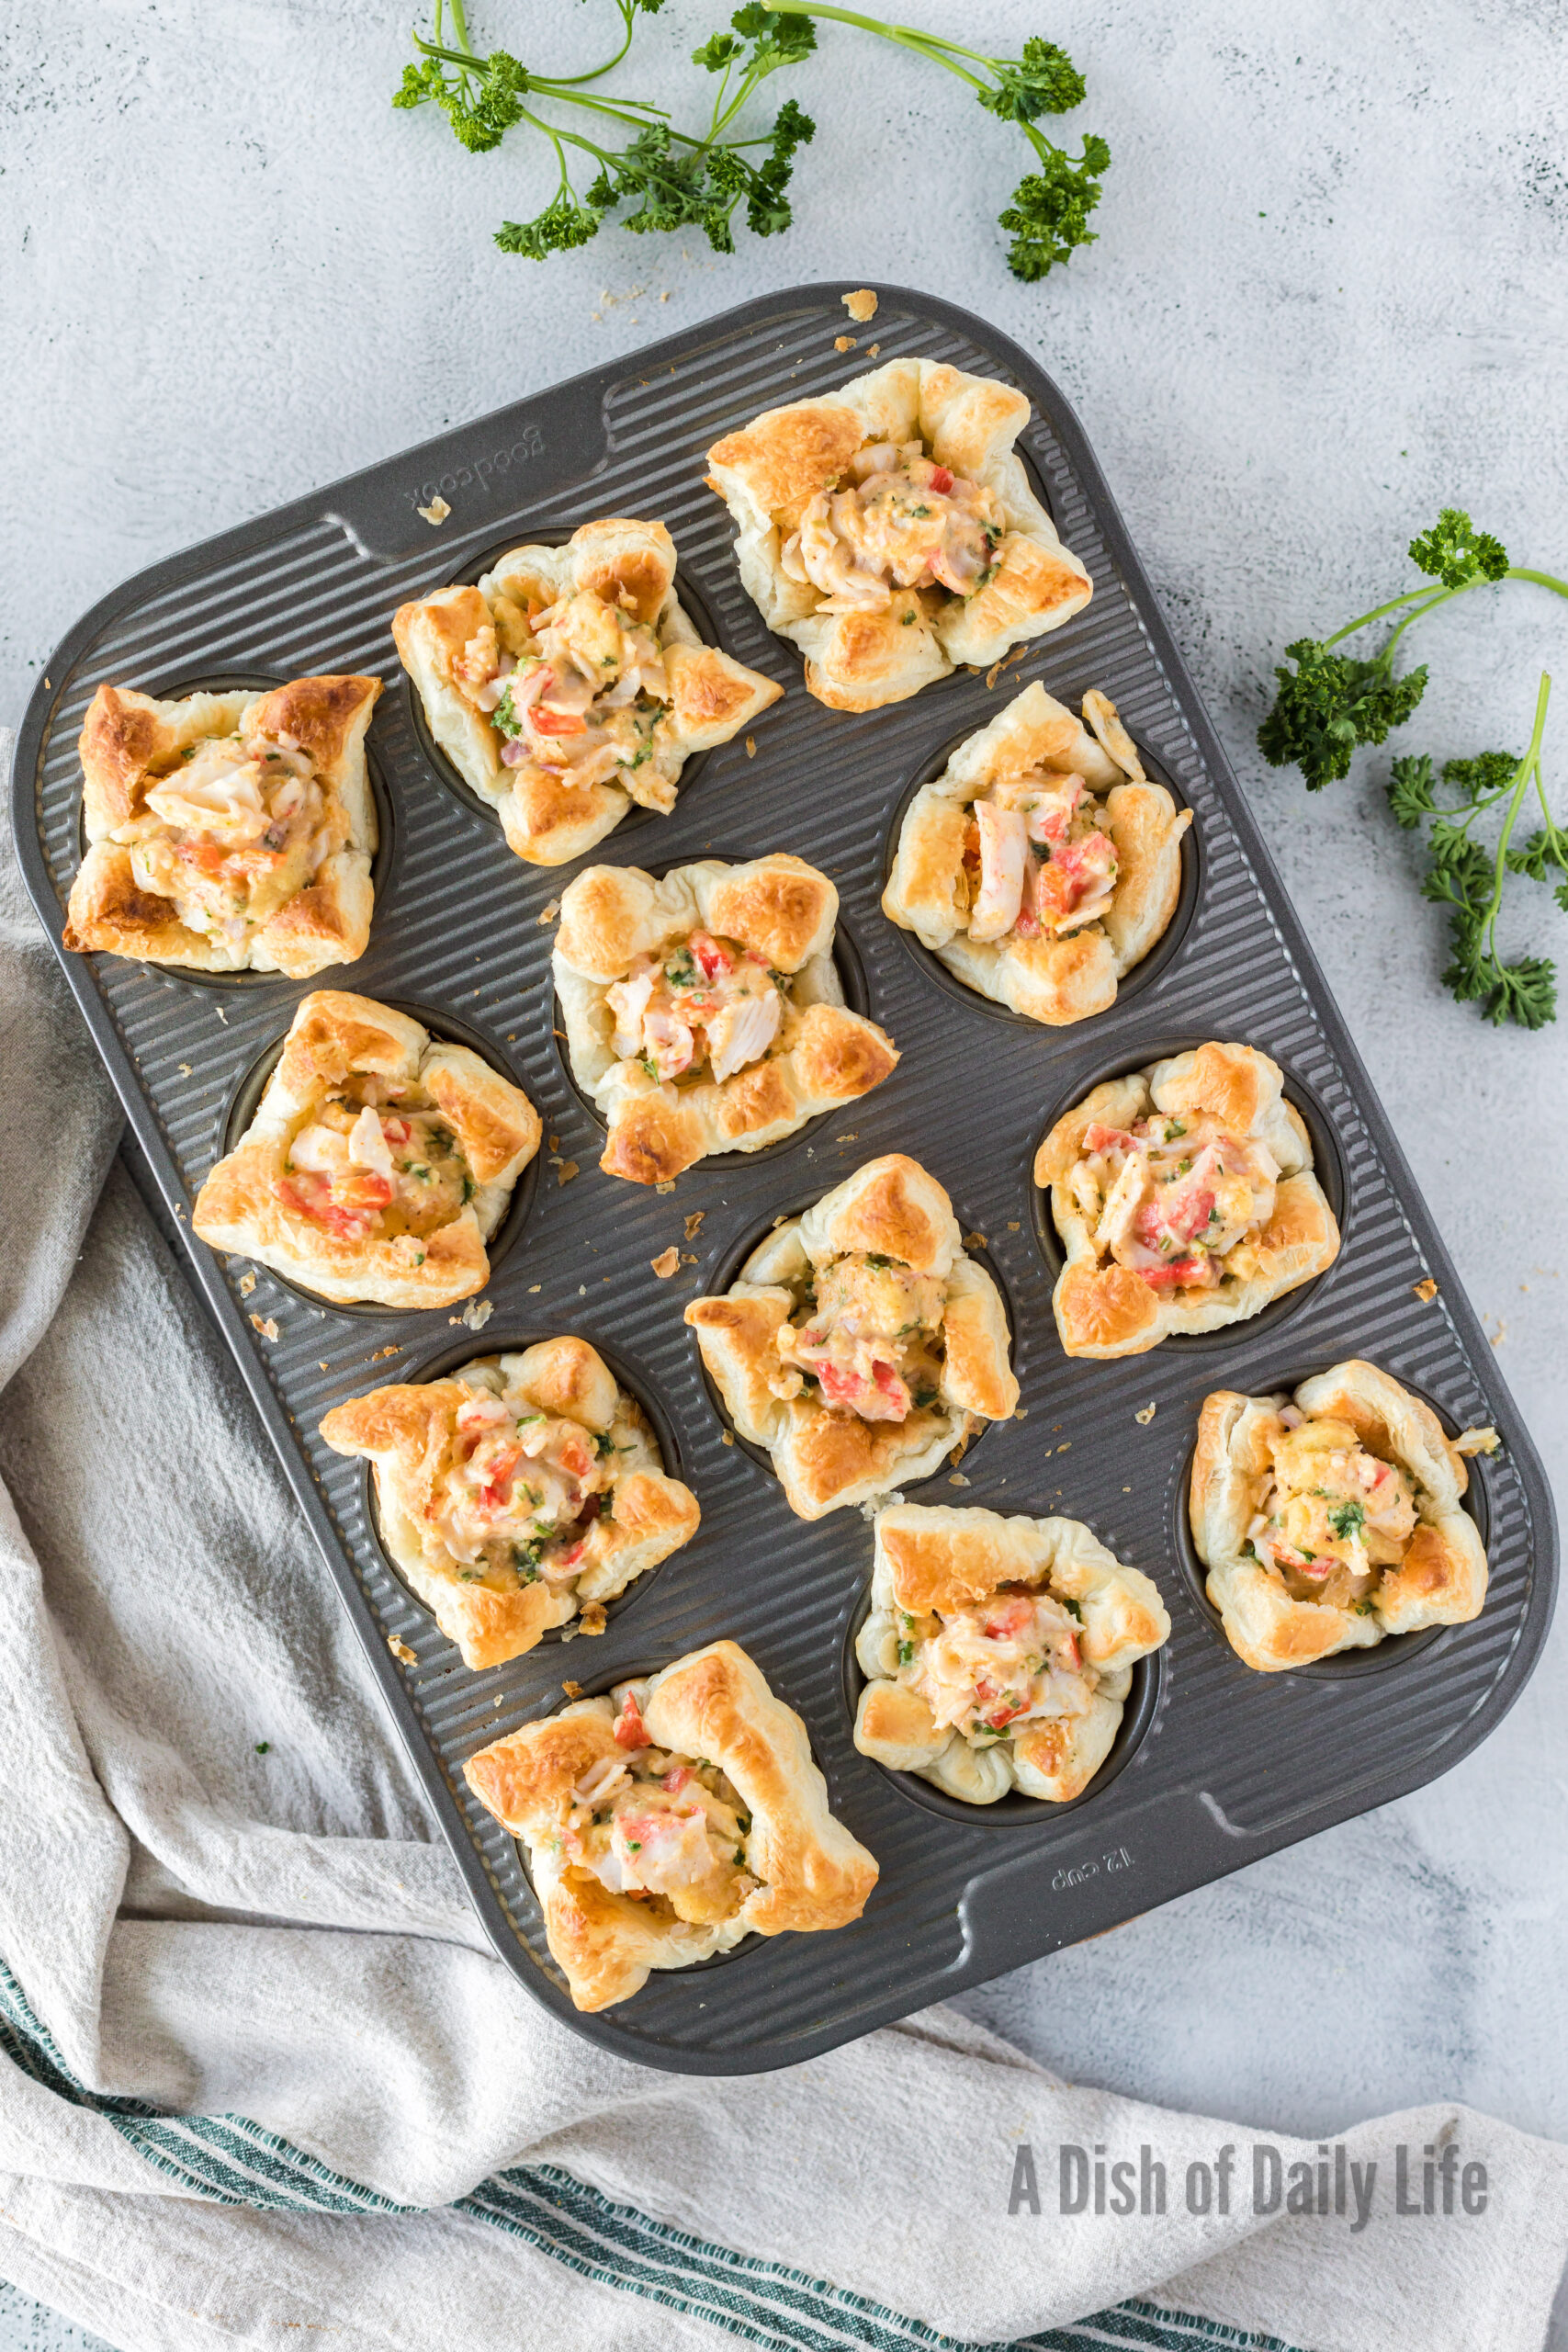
930 45
1529 765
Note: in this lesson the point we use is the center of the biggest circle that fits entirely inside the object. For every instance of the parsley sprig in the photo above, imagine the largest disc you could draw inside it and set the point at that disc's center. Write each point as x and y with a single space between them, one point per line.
1332 702
1468 878
670 178
1048 216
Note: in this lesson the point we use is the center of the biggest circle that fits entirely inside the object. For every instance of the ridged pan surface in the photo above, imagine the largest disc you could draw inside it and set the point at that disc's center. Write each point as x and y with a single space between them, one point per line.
1224 1764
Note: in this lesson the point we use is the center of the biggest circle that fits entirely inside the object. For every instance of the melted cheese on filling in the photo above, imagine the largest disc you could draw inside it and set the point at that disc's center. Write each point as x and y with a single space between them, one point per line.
1179 1202
376 1160
667 1829
233 832
870 1337
1332 1516
1003 1665
703 1004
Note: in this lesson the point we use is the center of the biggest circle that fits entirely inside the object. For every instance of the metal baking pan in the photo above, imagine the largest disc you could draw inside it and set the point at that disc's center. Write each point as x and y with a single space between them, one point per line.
1217 1765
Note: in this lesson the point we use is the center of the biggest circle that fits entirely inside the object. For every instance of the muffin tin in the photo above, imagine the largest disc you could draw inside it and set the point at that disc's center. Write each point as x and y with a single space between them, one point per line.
1218 1765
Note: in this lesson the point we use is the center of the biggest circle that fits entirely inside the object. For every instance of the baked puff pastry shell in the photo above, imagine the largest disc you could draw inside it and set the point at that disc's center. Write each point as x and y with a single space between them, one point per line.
792 1867
1041 776
886 647
1357 1478
999 1652
612 591
908 1324
339 1051
1133 1241
228 832
516 1491
777 1001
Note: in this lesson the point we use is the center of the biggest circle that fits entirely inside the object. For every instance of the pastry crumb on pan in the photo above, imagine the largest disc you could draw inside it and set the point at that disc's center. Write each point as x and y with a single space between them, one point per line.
378 1163
861 305
1332 1519
704 1012
228 832
1185 1200
860 1344
1042 864
569 684
517 1493
671 1819
999 1652
889 530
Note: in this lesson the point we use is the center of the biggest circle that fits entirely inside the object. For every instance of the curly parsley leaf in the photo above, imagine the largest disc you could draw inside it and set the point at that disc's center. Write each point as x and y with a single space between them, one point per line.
1456 554
1043 80
1048 218
1411 785
1328 705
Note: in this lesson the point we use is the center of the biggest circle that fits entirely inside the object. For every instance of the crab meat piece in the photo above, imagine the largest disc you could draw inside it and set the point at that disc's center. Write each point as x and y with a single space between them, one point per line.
876 457
1116 1218
670 1045
219 792
481 1413
1075 885
628 1000
661 1852
318 1150
879 1395
1004 854
368 1146
742 1033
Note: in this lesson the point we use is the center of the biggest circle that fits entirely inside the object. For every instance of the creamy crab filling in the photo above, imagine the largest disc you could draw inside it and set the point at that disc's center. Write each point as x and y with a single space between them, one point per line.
576 687
668 1830
703 1002
1038 859
1332 1517
1176 1201
999 1666
233 832
901 521
870 1337
377 1160
519 1493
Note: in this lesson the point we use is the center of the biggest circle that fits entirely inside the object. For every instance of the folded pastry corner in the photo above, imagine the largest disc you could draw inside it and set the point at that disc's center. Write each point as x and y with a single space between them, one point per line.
704 1012
671 1820
860 1343
379 1160
999 1652
1332 1519
889 530
1185 1200
228 832
568 684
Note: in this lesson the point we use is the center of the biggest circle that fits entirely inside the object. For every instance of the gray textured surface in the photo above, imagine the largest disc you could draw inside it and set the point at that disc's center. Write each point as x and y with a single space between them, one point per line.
1328 296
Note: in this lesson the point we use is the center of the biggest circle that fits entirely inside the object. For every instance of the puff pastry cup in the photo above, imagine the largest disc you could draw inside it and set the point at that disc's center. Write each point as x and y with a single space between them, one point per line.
516 1493
380 1161
704 1012
889 530
668 1821
571 684
228 832
860 1343
1332 1520
1185 1198
1042 864
999 1652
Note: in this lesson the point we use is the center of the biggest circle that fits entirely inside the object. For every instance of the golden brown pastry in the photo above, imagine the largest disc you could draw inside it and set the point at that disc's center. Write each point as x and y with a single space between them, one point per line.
667 1822
516 1491
1332 1520
888 529
1185 1196
228 832
704 1012
378 1163
569 684
1041 864
999 1652
860 1343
